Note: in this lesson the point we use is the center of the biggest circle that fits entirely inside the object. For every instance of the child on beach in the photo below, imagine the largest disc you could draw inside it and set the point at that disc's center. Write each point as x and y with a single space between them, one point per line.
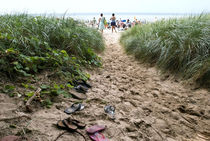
113 22
101 23
93 22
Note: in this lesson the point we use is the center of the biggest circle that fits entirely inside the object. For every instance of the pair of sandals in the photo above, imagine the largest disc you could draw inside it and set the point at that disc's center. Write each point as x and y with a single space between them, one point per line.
71 125
80 89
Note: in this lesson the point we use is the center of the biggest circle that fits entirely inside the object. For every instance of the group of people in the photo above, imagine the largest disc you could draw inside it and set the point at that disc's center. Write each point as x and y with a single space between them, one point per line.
102 23
113 24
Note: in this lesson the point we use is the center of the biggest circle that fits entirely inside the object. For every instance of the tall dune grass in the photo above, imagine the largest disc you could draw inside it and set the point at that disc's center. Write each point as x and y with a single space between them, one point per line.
30 44
180 46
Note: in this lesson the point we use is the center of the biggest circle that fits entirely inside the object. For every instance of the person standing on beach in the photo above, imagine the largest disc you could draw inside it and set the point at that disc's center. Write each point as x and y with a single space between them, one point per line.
101 21
128 23
93 22
113 22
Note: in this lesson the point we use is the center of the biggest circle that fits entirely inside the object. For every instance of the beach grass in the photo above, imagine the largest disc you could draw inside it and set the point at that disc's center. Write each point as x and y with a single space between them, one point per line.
179 46
30 44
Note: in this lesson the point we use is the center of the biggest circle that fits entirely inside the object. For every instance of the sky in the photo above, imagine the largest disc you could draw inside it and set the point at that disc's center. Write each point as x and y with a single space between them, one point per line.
98 6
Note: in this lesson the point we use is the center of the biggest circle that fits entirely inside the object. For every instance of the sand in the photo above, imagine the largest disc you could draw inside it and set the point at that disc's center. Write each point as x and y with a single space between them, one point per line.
149 106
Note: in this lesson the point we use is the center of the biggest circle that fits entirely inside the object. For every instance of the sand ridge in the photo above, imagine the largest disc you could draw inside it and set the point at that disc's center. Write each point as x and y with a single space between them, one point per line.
148 106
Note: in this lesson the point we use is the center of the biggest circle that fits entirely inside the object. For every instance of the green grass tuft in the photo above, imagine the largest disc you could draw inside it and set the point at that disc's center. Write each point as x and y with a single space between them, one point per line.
30 44
181 46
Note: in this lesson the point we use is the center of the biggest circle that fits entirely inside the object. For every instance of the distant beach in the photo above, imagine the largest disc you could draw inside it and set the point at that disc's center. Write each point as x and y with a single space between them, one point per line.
149 17
124 16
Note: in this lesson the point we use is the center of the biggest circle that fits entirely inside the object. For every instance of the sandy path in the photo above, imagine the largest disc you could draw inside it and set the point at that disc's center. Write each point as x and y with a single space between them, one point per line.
148 107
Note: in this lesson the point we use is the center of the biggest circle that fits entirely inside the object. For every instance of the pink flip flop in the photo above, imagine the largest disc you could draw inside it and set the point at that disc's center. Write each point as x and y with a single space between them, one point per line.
14 138
95 128
98 137
10 138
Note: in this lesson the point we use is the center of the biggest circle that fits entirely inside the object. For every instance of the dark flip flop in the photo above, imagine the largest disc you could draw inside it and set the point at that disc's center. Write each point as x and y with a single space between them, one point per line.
81 89
79 124
77 95
74 108
82 82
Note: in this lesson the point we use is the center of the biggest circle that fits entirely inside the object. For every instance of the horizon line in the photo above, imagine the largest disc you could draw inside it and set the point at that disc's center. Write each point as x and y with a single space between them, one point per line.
121 13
